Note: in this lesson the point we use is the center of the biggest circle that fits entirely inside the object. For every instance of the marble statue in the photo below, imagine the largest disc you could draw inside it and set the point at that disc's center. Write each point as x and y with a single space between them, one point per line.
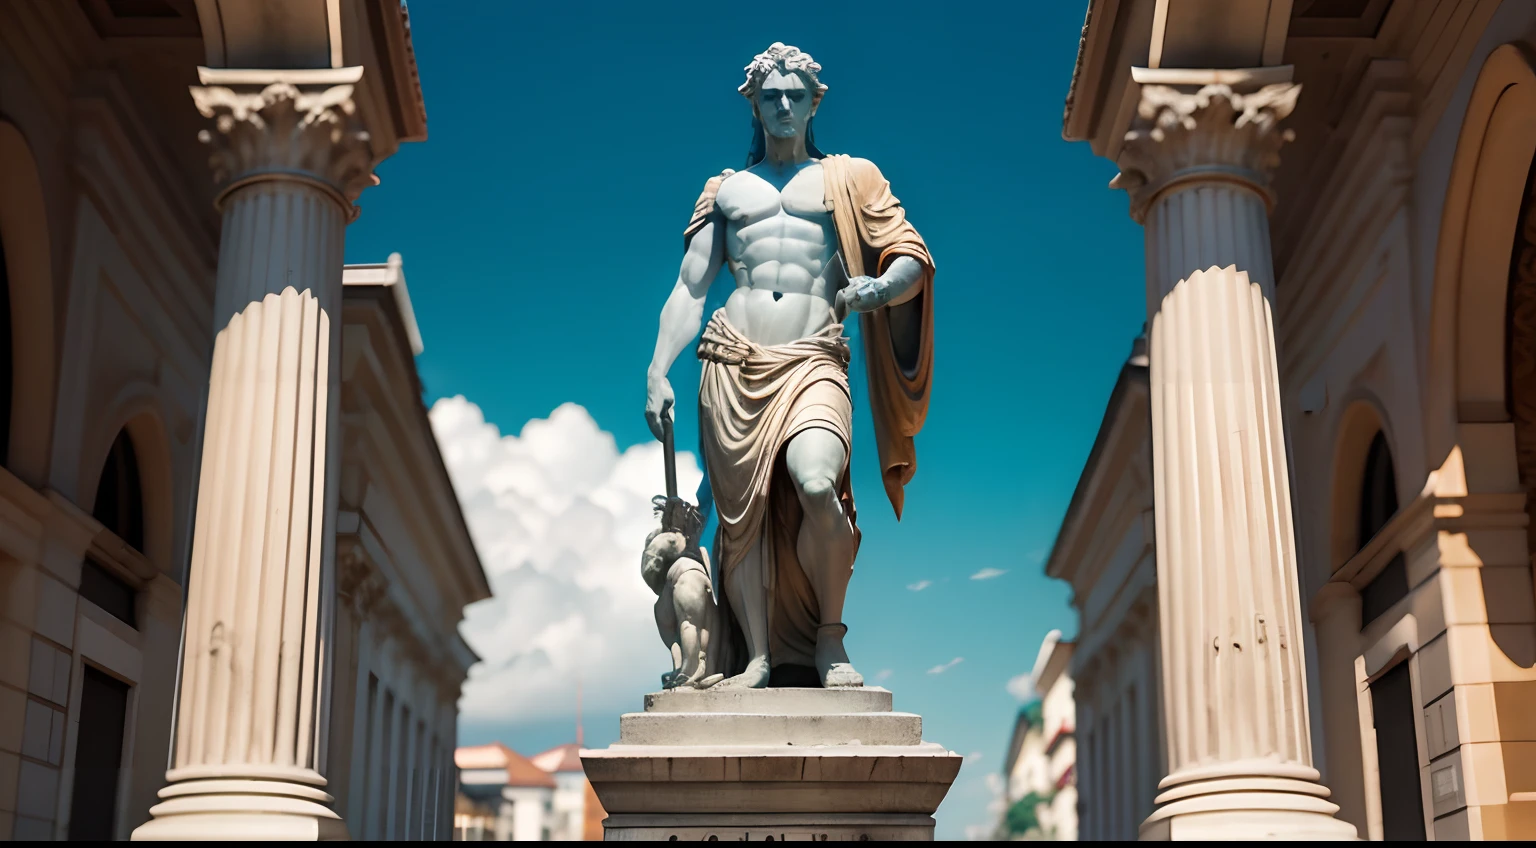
809 239
685 607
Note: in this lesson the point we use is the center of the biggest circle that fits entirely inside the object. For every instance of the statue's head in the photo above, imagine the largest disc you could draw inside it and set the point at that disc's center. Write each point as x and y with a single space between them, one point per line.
784 91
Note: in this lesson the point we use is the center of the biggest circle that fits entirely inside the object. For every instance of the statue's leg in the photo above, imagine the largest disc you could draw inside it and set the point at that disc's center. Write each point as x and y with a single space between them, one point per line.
690 594
748 594
816 460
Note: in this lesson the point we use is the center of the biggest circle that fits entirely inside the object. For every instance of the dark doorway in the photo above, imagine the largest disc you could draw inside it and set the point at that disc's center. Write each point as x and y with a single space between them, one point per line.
1397 756
98 756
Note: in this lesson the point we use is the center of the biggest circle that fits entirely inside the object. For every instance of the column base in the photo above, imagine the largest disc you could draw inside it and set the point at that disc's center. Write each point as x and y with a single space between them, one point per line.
243 809
1244 808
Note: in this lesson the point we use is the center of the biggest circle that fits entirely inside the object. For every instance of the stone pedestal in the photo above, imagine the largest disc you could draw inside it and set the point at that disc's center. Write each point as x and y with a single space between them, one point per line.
820 764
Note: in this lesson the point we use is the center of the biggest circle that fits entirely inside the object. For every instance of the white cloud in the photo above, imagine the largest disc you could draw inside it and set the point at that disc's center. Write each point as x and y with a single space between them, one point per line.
1023 687
882 675
919 585
973 756
989 573
558 516
940 669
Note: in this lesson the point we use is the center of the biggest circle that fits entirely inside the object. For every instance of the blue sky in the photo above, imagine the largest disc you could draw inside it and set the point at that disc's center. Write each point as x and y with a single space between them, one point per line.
540 227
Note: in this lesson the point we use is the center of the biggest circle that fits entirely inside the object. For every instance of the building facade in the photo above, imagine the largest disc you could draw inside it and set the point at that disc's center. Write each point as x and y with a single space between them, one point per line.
1330 497
202 445
1040 791
1105 551
505 796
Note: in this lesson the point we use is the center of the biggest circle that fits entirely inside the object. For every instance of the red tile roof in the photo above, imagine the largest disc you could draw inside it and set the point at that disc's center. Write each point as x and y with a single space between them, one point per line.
520 770
559 759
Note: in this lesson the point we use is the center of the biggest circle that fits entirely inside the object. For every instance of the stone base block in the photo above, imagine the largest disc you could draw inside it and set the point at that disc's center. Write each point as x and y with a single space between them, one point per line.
760 828
780 763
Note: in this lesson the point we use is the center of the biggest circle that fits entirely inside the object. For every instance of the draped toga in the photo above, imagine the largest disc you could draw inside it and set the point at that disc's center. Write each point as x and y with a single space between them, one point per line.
753 399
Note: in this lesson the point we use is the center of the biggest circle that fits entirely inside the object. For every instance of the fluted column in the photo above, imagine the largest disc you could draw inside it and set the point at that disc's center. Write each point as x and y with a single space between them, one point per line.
249 755
1197 164
1336 616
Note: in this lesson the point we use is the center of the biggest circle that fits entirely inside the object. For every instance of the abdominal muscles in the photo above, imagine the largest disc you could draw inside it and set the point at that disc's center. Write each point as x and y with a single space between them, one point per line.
785 286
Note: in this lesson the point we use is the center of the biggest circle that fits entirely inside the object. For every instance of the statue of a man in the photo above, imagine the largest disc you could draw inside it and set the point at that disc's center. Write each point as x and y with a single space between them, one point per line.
809 238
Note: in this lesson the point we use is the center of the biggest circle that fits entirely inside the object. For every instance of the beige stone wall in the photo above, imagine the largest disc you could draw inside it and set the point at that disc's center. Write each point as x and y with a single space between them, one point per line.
1371 342
1393 232
111 243
108 255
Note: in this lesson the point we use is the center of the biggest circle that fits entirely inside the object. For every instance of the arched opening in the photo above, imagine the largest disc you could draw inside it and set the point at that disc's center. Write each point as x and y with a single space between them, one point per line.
1378 503
1378 490
120 508
26 313
1520 348
120 493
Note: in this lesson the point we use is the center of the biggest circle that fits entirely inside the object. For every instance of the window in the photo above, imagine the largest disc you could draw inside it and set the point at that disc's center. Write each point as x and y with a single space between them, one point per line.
370 778
1378 503
386 762
119 494
402 748
98 756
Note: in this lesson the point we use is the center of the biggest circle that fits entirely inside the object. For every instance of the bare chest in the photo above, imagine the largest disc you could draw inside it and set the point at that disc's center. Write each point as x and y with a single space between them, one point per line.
748 200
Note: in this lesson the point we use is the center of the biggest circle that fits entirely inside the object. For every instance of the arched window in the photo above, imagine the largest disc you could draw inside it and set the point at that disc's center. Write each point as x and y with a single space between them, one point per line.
1378 503
1378 495
5 360
120 508
119 494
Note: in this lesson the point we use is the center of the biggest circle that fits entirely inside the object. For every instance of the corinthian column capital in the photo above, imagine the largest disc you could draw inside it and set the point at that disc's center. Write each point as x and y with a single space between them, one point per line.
285 125
1186 131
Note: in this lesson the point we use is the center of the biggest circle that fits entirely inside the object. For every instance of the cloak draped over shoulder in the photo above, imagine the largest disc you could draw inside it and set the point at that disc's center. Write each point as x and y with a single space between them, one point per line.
872 230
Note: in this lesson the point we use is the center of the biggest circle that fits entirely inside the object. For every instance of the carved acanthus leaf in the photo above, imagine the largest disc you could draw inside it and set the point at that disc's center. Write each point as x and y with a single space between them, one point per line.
285 129
1180 134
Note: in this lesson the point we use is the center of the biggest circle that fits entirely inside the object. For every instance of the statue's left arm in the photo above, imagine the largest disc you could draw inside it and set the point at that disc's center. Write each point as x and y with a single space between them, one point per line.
896 302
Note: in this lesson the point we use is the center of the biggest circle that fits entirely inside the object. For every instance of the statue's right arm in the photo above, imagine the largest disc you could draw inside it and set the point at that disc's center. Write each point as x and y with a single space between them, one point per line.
682 314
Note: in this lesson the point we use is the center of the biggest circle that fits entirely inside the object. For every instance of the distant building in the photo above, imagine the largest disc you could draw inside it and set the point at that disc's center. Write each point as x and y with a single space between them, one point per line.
505 796
1026 784
517 795
1040 793
1105 550
1058 716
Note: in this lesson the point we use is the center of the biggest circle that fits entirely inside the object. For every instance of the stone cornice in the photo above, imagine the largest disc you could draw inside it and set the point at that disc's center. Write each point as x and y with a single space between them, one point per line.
285 125
1189 132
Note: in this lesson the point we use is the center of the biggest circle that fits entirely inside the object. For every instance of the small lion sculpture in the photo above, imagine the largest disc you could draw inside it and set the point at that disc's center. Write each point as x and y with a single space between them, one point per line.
685 607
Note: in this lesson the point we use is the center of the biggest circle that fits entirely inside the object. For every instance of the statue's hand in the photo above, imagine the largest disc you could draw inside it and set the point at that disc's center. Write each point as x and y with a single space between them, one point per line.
863 294
658 402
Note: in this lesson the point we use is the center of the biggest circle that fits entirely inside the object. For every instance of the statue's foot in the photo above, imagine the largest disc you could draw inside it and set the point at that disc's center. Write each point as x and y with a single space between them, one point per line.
707 682
755 677
832 660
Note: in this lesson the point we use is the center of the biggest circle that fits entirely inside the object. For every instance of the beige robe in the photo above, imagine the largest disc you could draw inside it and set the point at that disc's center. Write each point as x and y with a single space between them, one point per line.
754 399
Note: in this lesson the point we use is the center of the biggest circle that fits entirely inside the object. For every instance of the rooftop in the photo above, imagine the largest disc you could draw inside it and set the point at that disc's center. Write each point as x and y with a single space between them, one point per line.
520 770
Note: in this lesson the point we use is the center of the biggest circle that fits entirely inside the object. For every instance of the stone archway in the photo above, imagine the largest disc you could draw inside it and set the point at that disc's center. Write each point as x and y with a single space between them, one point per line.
29 284
1520 349
1467 399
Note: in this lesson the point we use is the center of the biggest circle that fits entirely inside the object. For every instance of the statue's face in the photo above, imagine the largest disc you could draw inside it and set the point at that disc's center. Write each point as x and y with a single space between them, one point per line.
784 104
